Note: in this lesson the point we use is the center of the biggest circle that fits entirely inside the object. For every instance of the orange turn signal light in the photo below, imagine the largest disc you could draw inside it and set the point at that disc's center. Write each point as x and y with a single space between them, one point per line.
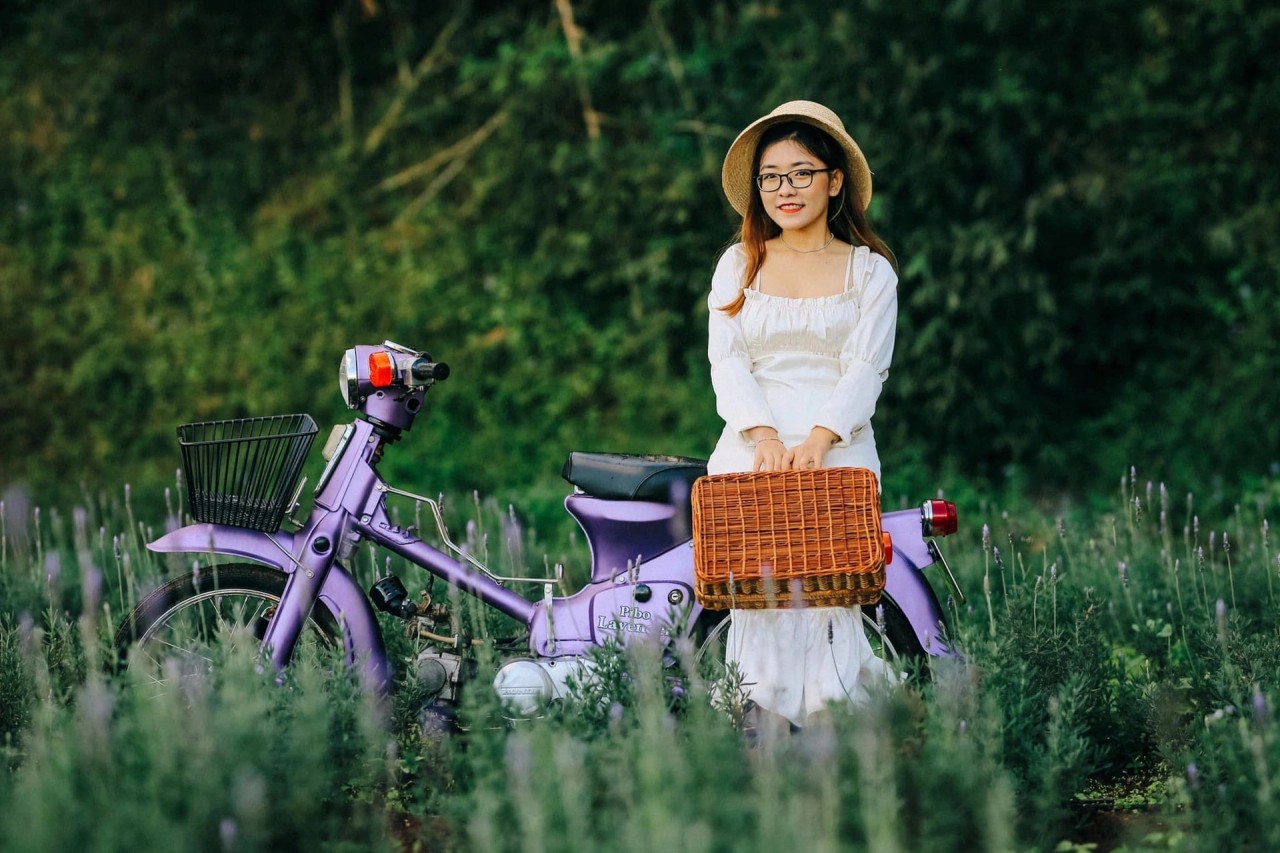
381 369
888 548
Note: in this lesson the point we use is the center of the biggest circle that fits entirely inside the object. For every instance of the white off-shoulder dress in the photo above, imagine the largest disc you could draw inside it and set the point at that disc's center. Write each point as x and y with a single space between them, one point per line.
793 364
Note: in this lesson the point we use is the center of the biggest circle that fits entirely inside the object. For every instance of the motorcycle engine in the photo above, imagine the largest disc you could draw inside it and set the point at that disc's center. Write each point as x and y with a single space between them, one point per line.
527 685
438 672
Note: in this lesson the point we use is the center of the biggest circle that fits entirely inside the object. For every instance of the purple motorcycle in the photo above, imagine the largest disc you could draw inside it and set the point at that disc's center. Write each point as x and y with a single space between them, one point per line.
634 511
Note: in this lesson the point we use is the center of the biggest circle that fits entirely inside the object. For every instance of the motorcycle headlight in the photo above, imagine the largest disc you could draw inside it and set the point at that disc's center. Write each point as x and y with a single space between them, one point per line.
349 379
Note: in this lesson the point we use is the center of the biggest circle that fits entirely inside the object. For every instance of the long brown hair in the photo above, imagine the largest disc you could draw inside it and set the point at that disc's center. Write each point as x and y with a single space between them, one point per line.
849 221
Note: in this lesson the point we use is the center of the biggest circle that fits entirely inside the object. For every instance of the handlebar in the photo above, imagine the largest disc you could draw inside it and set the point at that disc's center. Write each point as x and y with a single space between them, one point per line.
429 371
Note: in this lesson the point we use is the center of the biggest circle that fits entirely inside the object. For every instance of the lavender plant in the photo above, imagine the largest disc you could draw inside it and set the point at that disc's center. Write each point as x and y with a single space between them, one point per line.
1121 657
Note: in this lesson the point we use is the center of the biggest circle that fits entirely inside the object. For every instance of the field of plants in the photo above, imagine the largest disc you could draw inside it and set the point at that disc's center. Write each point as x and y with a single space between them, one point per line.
202 205
1117 689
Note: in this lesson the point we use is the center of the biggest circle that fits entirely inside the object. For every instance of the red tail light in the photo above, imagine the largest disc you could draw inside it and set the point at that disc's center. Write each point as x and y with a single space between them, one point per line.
381 369
939 518
888 548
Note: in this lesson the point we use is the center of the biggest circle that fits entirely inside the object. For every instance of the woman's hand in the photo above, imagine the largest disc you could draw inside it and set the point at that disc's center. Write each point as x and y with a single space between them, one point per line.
810 453
770 451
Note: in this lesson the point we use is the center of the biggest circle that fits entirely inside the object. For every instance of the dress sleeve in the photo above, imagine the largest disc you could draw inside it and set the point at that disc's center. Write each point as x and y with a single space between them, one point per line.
865 355
739 400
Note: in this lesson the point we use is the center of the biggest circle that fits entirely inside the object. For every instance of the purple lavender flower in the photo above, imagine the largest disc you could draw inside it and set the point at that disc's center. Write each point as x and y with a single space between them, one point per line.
97 703
92 590
227 833
1193 775
796 590
519 758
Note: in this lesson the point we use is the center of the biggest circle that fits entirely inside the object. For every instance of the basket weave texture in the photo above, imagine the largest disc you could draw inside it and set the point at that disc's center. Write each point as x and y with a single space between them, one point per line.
788 539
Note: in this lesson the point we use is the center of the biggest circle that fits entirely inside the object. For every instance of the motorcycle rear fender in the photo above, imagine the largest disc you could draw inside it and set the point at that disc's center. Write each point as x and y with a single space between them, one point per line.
906 586
340 593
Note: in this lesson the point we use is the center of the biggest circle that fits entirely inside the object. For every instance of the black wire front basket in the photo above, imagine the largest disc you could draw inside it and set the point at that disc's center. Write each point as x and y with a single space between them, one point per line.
242 472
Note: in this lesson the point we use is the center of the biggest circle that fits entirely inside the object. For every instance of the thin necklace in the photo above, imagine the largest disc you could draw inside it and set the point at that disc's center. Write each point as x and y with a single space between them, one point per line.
807 251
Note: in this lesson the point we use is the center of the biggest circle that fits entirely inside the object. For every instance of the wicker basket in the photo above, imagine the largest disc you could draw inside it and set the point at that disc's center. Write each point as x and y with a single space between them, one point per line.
788 539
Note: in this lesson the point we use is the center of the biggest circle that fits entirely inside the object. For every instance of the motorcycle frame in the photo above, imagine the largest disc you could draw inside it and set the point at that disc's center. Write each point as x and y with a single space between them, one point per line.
635 560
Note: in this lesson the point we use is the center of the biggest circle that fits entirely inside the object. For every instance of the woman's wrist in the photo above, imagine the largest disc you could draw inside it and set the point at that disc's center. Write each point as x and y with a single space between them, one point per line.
823 435
755 435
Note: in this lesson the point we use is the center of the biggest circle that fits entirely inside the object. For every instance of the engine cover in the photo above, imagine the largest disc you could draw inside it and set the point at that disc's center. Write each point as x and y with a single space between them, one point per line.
438 673
529 684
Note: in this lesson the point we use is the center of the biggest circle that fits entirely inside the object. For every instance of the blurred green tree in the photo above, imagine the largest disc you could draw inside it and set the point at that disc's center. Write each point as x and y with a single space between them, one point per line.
204 205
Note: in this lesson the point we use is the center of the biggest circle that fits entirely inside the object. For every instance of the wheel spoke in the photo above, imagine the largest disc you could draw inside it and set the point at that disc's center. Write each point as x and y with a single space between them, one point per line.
188 634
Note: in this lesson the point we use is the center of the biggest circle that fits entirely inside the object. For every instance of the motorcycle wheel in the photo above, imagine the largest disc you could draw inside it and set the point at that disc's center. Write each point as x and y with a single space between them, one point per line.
184 626
891 638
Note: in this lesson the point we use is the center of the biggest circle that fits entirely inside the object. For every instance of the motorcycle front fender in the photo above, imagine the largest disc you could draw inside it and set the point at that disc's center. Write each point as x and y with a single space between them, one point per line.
362 638
273 549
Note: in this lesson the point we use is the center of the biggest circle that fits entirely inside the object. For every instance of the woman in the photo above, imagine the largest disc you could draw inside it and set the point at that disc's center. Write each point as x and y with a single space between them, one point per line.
803 312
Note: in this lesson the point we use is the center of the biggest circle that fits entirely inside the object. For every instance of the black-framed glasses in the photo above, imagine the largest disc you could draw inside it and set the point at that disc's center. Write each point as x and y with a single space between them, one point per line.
771 182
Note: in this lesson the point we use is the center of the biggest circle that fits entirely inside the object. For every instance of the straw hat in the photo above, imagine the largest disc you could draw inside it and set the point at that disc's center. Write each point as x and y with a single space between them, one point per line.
738 176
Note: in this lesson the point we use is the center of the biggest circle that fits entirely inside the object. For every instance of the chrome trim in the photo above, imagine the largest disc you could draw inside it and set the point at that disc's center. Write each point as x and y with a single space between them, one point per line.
448 543
288 556
295 501
332 464
938 558
349 379
400 348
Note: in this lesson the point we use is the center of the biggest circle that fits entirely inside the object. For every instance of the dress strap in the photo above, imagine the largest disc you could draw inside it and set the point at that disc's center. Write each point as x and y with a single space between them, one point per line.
754 284
861 254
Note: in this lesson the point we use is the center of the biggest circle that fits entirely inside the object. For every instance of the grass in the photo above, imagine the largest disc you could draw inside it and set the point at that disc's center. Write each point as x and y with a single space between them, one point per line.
1117 661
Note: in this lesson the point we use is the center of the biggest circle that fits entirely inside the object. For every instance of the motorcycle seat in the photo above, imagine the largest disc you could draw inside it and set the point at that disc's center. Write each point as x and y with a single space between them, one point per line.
620 476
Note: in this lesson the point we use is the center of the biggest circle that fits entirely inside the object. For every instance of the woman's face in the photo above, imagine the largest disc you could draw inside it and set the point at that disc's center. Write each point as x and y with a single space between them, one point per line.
789 207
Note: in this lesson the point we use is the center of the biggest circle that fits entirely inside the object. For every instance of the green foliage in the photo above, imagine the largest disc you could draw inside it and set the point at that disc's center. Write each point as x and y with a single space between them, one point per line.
641 778
17 683
1105 652
204 204
1227 780
235 762
204 207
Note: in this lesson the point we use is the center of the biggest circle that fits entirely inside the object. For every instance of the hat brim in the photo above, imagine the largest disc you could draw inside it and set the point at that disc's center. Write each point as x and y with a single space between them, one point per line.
737 176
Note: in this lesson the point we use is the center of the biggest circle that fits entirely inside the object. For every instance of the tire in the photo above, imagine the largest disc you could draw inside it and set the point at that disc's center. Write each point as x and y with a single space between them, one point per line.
891 638
193 620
